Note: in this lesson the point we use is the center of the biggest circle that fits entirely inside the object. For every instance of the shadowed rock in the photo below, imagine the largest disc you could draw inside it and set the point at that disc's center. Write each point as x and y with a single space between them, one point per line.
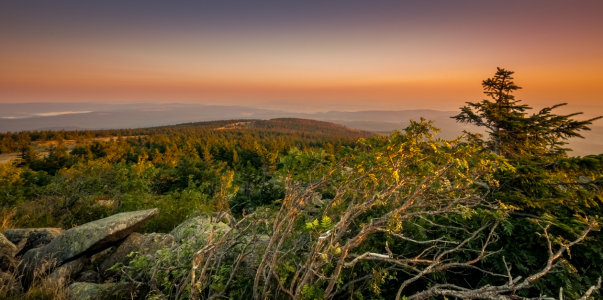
62 275
97 258
107 291
142 244
29 238
82 240
88 276
132 243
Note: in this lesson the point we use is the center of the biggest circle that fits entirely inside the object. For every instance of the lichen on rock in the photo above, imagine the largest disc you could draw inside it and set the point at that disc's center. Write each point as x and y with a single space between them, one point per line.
82 240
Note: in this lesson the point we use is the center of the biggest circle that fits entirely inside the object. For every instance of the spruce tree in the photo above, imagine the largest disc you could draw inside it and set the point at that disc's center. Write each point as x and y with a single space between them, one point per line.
27 154
512 133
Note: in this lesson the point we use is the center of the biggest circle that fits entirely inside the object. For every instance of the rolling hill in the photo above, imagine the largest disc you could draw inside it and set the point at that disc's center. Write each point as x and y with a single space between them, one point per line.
94 116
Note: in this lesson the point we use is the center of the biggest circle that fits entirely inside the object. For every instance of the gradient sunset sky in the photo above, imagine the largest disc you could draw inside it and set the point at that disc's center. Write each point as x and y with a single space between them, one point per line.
307 55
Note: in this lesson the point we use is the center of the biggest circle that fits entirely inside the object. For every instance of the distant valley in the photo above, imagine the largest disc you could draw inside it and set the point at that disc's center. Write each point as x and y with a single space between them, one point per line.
90 116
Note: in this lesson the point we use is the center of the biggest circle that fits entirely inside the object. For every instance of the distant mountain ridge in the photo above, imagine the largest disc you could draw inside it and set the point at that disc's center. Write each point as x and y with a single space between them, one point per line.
38 116
140 115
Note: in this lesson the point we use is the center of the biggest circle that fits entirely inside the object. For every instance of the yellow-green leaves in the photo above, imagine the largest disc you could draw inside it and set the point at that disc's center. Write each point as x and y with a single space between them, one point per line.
373 177
10 183
312 225
395 223
396 176
466 212
324 224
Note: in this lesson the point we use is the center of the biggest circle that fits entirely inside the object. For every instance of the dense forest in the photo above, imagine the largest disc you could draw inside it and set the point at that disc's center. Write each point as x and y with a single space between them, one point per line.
138 168
339 213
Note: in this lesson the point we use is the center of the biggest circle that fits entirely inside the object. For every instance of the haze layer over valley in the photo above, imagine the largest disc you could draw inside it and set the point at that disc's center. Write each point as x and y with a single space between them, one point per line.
16 117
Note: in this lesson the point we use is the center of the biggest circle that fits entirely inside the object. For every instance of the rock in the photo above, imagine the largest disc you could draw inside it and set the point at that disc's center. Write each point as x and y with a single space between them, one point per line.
132 243
98 258
62 275
82 240
9 286
6 246
30 238
7 263
88 276
222 216
197 229
154 242
107 291
7 254
257 247
144 245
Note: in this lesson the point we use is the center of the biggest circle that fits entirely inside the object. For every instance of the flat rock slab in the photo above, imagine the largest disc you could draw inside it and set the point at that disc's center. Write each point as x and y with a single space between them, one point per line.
82 240
28 238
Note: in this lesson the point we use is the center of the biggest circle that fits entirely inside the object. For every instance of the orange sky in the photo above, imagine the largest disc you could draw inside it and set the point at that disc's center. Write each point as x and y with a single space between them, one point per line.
344 55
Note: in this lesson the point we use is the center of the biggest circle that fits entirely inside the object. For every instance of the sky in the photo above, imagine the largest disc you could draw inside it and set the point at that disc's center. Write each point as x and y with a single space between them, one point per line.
300 55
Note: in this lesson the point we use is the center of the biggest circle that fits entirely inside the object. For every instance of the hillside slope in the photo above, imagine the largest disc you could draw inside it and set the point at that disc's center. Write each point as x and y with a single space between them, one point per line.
302 130
284 125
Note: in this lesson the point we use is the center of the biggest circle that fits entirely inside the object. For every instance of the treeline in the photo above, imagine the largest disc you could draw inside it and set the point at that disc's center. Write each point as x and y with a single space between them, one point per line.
12 142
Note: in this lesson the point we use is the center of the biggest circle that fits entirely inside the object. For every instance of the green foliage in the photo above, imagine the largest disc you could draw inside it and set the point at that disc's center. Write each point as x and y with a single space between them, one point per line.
323 225
163 270
183 169
11 184
547 186
310 292
383 189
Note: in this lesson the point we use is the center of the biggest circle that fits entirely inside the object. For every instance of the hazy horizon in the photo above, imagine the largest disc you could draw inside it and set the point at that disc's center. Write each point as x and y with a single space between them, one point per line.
39 109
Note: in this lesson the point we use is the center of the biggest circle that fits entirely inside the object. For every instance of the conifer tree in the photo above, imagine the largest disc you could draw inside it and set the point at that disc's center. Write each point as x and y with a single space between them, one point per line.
512 133
27 153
